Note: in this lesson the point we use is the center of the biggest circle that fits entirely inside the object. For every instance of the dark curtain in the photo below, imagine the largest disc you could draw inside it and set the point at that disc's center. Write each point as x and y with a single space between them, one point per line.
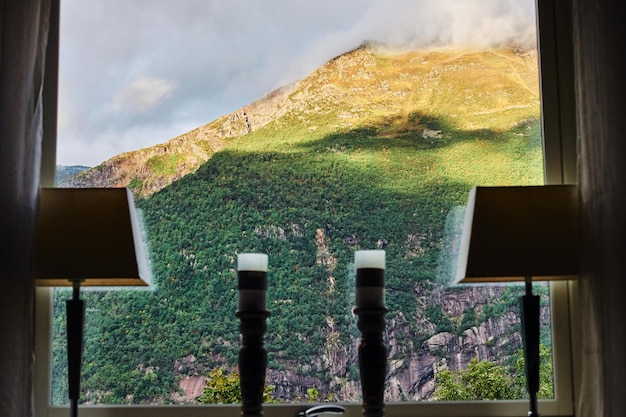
23 34
599 50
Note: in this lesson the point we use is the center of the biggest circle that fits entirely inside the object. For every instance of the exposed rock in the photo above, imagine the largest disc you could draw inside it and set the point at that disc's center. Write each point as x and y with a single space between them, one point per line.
148 170
191 387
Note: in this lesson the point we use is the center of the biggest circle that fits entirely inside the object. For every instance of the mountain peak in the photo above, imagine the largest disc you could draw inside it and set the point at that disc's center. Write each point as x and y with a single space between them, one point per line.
366 86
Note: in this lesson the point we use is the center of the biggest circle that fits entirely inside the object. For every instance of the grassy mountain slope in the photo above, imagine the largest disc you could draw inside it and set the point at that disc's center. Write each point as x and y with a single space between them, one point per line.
374 149
472 90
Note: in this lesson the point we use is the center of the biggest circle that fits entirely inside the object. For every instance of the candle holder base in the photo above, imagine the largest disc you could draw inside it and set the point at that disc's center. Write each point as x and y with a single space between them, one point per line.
252 361
372 359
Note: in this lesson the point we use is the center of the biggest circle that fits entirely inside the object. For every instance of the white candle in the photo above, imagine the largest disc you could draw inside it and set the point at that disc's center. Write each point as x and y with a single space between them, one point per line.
370 278
369 259
252 281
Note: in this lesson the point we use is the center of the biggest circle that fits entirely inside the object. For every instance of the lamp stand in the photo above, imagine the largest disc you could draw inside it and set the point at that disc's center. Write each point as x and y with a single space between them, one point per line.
252 361
75 309
530 337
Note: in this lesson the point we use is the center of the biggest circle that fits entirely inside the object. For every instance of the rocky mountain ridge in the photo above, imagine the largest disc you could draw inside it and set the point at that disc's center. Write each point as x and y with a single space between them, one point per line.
360 88
150 169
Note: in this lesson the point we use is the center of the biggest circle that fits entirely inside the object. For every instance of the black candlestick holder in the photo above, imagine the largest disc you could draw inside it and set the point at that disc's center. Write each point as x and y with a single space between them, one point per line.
372 358
252 361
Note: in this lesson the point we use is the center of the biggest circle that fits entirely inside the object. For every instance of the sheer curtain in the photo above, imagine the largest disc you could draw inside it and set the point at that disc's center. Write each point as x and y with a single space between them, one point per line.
23 35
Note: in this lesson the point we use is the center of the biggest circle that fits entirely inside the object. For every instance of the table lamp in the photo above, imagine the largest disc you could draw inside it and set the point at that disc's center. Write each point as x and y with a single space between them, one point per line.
522 233
89 237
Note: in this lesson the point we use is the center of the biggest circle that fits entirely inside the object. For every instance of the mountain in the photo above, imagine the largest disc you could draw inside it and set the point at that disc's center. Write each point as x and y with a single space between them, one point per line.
148 170
65 172
377 148
370 85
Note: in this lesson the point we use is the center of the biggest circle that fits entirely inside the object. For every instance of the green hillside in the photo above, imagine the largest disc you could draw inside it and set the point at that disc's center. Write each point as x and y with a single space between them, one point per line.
374 149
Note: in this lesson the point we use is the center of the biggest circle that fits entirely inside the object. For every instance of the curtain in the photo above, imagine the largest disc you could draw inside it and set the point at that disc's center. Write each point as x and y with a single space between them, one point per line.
23 35
599 49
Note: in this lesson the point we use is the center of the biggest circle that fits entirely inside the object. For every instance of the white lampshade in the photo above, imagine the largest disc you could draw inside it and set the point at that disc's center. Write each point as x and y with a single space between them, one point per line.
89 234
511 233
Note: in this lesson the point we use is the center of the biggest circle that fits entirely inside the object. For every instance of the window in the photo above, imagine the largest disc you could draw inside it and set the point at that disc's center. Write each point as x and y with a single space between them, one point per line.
558 296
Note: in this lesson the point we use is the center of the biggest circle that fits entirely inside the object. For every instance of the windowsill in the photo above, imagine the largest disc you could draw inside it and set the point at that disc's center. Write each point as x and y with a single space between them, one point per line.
466 409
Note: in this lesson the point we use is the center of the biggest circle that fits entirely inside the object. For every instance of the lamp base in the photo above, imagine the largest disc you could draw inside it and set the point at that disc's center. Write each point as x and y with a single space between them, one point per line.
529 305
75 309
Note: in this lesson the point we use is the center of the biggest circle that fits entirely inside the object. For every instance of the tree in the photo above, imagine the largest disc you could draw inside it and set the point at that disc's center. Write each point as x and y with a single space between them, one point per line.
487 381
546 383
480 381
222 388
312 395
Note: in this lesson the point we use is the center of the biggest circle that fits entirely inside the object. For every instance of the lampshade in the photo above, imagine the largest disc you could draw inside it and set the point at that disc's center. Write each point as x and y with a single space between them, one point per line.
511 233
89 234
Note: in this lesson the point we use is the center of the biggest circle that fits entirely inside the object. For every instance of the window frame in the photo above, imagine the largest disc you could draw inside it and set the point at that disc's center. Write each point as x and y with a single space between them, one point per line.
561 405
559 137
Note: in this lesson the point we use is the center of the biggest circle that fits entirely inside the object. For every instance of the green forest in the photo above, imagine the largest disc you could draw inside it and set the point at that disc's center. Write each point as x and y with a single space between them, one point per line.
308 198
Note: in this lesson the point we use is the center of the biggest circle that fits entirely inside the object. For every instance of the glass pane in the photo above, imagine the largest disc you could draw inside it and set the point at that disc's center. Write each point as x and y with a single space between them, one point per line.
377 147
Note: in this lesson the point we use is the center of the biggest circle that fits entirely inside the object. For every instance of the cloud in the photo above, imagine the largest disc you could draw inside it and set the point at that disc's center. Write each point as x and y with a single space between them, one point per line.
132 67
427 23
142 94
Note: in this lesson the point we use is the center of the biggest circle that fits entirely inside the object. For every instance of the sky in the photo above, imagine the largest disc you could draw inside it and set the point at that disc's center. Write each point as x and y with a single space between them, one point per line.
135 73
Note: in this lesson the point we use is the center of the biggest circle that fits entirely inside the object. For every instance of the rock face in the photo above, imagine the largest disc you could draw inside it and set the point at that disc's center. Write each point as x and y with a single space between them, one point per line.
412 373
148 170
191 387
412 367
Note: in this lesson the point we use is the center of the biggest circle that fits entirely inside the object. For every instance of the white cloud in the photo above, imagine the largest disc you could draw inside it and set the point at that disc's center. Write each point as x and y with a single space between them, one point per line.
132 67
142 94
